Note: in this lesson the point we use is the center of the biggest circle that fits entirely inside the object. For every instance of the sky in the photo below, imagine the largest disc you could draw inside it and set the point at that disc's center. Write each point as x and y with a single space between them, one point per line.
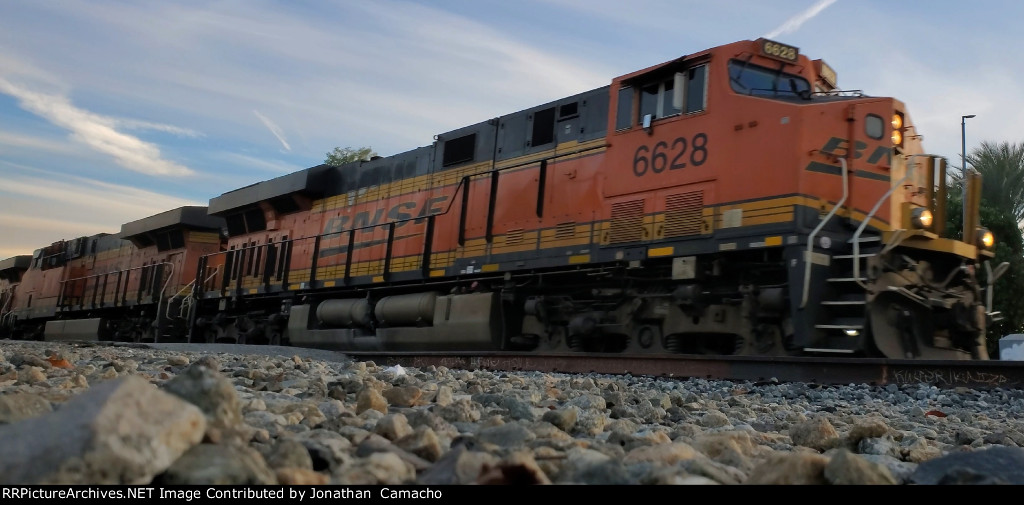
113 111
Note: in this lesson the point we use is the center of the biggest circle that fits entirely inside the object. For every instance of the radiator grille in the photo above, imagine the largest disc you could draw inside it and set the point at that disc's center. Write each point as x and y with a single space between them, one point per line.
514 237
565 230
627 222
684 214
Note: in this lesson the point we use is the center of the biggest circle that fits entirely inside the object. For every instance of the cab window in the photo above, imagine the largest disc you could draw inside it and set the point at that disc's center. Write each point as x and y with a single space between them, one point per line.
755 80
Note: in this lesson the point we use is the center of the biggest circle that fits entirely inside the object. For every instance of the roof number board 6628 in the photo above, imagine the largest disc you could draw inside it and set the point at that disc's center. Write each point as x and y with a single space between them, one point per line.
779 51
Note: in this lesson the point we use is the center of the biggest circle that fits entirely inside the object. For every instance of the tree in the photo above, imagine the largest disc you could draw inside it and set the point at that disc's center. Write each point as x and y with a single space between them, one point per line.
1002 169
1007 298
340 156
1001 210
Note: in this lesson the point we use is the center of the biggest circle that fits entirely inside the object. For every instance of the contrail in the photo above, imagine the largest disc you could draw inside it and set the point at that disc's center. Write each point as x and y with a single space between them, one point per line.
276 130
792 24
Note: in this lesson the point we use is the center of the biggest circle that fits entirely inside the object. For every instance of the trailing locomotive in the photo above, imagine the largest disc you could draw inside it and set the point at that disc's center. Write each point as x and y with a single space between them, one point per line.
733 201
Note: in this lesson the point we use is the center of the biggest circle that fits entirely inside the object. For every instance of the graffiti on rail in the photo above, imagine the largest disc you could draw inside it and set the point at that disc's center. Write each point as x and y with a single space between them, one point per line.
495 363
452 362
947 377
477 362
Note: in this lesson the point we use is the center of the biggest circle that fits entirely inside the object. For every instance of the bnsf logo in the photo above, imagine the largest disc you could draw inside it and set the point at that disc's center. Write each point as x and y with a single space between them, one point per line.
401 212
840 147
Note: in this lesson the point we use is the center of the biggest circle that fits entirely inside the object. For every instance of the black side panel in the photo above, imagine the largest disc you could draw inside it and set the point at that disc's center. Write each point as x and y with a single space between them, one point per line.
455 145
512 136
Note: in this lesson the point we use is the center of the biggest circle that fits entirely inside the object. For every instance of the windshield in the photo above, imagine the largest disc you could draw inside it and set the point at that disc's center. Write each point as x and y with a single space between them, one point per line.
756 80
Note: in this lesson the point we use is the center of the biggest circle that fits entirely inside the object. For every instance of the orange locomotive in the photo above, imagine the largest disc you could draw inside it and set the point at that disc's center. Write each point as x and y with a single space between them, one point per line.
729 201
108 286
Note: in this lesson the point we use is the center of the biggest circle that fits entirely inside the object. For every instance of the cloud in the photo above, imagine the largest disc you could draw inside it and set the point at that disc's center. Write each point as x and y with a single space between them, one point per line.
96 131
276 130
13 141
793 24
42 207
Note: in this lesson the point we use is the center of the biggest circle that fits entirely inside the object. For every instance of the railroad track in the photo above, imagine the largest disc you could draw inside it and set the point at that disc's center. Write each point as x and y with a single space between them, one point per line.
818 370
946 374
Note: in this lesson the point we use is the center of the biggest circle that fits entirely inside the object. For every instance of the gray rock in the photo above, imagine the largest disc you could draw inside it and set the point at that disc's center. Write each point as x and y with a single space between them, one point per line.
587 401
817 433
458 466
376 443
423 442
370 399
846 468
607 473
506 435
289 453
901 470
393 427
209 464
444 396
405 396
203 386
328 450
790 468
713 419
564 419
18 406
379 468
459 411
518 409
881 446
717 472
997 465
124 431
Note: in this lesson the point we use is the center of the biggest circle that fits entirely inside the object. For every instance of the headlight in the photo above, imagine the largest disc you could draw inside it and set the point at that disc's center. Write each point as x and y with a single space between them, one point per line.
986 239
922 218
898 127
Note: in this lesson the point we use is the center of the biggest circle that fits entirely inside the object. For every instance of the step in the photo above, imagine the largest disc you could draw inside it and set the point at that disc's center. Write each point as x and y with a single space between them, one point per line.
844 302
846 279
850 256
869 238
837 351
839 326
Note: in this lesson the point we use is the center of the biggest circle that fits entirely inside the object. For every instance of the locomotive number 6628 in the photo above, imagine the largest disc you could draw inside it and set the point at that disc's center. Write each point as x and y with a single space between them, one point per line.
657 158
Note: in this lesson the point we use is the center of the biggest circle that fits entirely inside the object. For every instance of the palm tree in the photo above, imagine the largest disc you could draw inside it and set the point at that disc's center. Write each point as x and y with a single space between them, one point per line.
1002 170
1001 211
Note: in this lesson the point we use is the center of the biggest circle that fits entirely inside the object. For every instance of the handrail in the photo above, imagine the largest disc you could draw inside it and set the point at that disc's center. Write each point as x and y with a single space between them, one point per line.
140 267
190 285
113 272
6 298
867 218
459 187
990 281
160 300
187 287
810 238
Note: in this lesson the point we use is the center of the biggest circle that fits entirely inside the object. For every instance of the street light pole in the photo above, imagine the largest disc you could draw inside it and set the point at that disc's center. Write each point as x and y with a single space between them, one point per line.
963 166
963 142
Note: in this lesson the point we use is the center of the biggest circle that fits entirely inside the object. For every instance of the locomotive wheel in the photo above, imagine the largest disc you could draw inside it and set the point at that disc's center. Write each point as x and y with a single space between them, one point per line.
766 340
212 334
554 338
902 330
